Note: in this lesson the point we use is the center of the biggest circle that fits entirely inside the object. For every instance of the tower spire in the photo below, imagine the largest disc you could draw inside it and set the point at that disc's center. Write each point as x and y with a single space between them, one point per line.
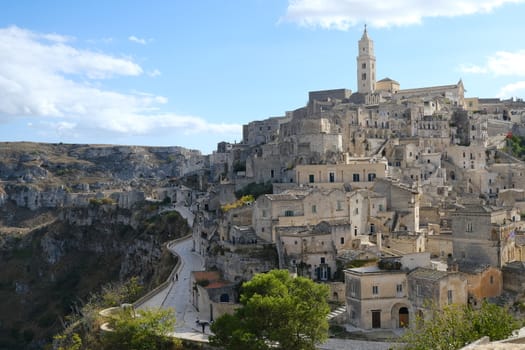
365 33
366 70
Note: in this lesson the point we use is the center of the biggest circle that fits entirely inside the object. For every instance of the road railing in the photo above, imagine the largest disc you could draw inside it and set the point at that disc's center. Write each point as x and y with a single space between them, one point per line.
170 278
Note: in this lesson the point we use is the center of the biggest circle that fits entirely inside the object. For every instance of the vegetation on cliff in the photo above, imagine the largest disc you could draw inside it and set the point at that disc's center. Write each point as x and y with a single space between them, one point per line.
130 329
54 269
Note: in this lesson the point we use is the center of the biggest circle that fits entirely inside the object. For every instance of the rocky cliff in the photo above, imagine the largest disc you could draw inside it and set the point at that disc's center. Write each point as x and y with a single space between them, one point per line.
49 268
37 175
75 217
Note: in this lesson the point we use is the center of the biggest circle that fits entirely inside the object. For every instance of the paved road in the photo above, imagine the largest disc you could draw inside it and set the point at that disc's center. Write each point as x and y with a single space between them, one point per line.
177 295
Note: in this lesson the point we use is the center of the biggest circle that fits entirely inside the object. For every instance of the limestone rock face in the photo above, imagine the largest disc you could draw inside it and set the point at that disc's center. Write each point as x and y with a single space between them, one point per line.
39 176
32 197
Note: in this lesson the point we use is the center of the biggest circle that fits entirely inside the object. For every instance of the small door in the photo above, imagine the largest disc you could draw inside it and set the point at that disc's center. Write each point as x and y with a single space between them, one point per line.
403 317
376 318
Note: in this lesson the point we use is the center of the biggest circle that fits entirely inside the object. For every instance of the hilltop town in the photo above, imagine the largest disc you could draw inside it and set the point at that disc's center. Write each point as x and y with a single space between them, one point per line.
393 197
397 199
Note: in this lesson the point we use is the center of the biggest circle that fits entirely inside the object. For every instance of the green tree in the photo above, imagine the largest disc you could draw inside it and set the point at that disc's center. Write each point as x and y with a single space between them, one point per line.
141 330
455 326
67 342
277 312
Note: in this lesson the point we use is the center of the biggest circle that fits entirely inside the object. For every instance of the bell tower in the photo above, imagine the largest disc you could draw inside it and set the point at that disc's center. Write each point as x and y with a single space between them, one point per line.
366 65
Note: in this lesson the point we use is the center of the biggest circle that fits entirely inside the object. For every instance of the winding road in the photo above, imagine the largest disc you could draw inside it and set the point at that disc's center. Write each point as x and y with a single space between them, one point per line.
177 295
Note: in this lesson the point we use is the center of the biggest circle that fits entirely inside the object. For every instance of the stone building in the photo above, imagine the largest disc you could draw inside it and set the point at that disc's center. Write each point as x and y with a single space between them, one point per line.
483 281
211 295
429 288
403 200
262 131
368 212
484 235
356 172
387 85
514 277
377 298
455 93
310 252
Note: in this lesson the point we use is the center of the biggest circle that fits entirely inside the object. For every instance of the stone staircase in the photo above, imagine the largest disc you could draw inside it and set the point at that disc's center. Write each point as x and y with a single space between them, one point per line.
337 312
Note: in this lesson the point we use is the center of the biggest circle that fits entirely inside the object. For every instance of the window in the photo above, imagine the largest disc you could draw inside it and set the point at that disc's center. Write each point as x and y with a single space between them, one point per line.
491 279
449 296
372 228
264 213
399 288
363 65
314 209
331 177
343 242
339 205
355 177
375 290
353 288
469 227
272 173
288 213
323 260
371 177
363 76
419 291
311 178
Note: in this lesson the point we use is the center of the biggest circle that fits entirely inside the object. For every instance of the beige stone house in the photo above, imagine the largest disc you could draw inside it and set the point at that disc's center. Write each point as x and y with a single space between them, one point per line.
298 207
429 288
377 296
310 252
483 281
356 172
485 235
364 206
402 199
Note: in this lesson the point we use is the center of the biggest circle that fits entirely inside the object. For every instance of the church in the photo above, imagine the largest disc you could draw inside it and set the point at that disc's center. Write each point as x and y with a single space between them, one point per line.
372 92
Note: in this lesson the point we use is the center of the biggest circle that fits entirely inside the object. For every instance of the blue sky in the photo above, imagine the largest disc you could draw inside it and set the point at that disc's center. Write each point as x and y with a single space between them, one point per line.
190 73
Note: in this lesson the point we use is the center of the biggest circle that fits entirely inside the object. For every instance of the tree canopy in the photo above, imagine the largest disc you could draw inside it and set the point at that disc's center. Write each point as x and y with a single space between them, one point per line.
456 326
141 330
278 311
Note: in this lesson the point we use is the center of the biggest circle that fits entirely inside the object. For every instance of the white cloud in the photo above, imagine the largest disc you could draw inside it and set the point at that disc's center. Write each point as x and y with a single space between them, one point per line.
343 14
134 39
512 90
61 88
154 73
500 64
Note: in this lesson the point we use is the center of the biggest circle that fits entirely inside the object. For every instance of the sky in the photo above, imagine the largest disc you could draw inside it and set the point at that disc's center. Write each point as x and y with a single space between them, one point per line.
190 73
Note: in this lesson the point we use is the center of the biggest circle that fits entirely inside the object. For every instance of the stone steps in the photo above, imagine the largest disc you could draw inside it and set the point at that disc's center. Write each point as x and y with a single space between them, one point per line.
337 312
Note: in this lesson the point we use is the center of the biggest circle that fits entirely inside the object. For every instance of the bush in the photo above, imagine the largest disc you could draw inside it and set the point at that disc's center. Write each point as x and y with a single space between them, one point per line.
255 190
244 200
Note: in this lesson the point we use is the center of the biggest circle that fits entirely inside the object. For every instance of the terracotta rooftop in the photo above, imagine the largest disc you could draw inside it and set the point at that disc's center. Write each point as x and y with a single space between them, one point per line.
206 275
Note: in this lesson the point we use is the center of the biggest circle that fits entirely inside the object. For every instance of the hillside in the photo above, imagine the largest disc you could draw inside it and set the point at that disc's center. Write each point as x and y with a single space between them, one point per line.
74 218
